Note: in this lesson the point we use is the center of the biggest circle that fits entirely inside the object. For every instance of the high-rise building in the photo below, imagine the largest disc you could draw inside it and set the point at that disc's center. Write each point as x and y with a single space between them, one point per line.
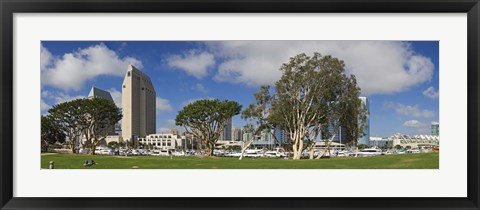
237 134
435 128
266 135
281 136
340 134
99 93
247 136
138 105
227 131
365 139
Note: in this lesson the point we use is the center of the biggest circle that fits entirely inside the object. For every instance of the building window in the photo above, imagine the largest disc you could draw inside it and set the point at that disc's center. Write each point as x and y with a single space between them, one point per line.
123 86
128 74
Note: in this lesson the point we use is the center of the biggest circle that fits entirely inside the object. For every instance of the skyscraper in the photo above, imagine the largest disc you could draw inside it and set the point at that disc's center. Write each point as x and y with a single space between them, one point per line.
237 134
138 105
435 128
227 131
365 139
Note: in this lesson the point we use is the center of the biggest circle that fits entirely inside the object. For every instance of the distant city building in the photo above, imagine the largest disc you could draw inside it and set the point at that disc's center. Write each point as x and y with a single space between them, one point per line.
435 128
227 131
247 136
164 141
365 139
282 136
237 134
340 135
138 105
380 141
266 135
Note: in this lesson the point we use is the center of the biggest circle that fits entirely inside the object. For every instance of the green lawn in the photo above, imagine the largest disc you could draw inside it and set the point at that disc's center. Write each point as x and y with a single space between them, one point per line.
403 161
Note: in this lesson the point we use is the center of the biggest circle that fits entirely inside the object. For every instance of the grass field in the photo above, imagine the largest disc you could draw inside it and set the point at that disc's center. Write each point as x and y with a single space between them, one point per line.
403 161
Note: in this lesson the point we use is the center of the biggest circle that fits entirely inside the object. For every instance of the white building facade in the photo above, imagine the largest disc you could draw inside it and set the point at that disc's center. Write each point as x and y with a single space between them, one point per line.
164 141
138 105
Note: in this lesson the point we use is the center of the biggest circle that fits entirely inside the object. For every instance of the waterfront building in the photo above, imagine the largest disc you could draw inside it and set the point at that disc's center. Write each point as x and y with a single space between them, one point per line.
435 129
138 105
417 141
365 139
227 131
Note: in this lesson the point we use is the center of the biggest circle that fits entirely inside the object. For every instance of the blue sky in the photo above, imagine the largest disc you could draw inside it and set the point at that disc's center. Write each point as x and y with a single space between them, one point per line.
399 78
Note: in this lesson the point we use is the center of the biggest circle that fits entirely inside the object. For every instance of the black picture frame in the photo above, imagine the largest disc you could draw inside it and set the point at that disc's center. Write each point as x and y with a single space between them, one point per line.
10 7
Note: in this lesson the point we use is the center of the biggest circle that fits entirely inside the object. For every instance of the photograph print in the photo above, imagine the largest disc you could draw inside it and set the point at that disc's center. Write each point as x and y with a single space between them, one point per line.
239 104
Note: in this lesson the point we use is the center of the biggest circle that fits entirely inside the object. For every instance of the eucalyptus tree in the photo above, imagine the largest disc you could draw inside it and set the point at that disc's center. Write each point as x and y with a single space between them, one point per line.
51 132
206 118
313 98
296 99
258 116
354 112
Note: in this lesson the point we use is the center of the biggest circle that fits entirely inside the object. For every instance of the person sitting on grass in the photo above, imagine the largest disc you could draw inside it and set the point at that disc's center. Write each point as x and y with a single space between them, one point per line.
88 164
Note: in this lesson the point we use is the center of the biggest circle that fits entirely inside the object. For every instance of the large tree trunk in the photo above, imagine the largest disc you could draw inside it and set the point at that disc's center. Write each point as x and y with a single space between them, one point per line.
311 147
93 146
294 147
327 148
210 148
73 141
245 148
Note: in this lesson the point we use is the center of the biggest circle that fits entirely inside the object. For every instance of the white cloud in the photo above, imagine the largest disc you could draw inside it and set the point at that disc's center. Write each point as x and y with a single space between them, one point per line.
59 97
44 106
163 130
163 105
72 70
414 124
419 127
193 62
168 125
46 58
430 93
410 110
381 67
200 88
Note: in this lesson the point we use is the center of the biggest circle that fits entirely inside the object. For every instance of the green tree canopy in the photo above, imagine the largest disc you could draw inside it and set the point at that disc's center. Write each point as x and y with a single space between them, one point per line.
206 118
313 95
51 132
101 116
90 117
70 118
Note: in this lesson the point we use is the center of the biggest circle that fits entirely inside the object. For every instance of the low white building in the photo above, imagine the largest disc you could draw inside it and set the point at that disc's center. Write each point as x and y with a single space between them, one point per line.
164 141
417 141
